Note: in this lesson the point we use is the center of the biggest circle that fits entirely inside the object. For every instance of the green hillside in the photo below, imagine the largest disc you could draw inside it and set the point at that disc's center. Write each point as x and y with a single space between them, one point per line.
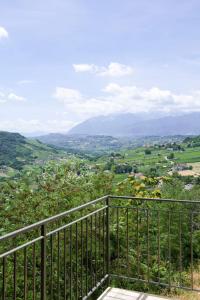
154 159
16 151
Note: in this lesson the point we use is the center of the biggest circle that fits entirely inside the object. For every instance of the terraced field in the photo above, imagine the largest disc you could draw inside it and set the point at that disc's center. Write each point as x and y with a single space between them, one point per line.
158 158
190 155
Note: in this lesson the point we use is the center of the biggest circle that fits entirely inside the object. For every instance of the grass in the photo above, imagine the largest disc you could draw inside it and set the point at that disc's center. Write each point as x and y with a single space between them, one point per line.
119 177
188 296
190 155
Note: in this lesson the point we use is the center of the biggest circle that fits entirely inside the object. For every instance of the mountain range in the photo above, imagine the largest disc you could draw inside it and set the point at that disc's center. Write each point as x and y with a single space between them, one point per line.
136 125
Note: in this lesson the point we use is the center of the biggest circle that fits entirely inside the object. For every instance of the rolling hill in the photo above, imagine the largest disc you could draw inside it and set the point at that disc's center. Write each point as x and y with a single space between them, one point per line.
16 151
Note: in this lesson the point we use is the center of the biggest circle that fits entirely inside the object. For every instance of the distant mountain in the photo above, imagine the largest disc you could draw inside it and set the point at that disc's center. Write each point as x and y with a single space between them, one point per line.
140 125
188 124
113 125
16 151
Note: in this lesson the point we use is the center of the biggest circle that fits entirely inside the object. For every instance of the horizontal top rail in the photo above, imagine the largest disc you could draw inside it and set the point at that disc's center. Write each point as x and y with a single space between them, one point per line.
154 199
51 219
76 221
85 205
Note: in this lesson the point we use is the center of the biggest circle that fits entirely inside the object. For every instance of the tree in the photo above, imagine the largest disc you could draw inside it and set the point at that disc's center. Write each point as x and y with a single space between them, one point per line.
147 151
171 156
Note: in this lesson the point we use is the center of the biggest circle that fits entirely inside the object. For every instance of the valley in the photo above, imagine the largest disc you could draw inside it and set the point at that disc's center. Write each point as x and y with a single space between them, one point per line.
143 156
45 180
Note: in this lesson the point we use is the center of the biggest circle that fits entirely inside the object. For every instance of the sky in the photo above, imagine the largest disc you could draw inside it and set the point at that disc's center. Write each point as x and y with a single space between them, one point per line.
64 61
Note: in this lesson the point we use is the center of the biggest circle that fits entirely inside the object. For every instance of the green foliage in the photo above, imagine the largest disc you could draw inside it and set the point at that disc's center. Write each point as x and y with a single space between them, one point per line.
147 151
192 142
171 156
143 187
43 192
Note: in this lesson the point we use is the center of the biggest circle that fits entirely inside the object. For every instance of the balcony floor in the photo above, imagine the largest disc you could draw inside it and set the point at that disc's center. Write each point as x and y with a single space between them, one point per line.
120 294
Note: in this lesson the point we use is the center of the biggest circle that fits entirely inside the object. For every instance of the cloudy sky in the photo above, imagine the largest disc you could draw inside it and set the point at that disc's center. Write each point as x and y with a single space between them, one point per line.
63 61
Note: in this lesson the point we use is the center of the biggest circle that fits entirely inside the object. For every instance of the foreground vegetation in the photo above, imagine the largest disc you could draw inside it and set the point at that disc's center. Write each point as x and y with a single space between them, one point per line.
45 190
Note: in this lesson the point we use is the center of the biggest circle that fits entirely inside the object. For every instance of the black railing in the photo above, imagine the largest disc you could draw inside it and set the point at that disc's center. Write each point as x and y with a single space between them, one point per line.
111 240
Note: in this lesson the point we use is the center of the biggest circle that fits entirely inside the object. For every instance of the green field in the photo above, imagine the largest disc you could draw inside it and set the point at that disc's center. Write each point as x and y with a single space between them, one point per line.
160 160
190 155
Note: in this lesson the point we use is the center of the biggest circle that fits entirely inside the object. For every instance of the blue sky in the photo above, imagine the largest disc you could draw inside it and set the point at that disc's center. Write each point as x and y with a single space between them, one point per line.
63 61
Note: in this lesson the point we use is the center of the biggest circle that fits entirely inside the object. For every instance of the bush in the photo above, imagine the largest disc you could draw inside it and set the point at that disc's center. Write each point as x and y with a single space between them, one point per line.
147 151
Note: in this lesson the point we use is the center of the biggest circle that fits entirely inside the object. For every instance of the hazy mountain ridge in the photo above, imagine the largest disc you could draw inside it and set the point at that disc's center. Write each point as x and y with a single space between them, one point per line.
139 125
109 125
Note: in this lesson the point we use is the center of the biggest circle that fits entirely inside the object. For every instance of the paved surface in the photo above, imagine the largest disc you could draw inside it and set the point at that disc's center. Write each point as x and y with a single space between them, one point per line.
120 294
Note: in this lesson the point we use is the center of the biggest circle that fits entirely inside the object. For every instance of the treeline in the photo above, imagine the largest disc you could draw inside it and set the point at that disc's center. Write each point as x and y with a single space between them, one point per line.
192 141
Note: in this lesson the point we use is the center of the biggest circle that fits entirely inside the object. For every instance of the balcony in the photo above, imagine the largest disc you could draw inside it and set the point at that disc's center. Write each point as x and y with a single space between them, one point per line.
146 245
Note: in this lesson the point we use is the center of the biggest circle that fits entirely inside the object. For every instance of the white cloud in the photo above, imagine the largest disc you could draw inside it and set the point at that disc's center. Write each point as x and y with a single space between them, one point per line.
118 99
3 33
67 95
84 68
24 81
114 69
6 98
15 97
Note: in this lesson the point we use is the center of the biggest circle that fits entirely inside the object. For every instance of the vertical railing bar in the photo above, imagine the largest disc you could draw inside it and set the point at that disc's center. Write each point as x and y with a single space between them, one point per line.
180 249
104 254
81 259
148 253
64 264
99 265
15 276
33 274
138 246
118 237
127 242
51 268
95 245
108 237
43 262
169 246
58 264
25 273
191 249
91 254
70 255
158 246
86 281
4 279
34 271
76 261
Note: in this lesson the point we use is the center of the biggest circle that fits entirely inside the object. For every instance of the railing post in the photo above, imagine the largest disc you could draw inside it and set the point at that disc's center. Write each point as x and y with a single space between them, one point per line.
108 238
43 262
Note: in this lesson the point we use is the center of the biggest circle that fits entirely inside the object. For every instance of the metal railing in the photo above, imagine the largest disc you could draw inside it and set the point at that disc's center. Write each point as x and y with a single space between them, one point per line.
113 238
